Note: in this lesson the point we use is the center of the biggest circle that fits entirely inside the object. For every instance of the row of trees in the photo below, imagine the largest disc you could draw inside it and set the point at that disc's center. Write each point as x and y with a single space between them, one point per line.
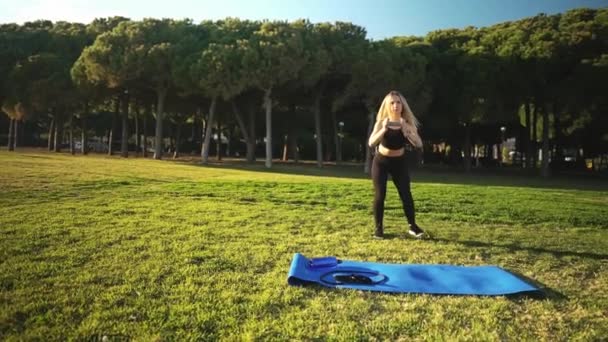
543 69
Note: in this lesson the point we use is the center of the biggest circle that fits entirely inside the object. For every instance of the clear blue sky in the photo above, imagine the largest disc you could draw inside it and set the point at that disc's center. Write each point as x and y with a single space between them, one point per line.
381 18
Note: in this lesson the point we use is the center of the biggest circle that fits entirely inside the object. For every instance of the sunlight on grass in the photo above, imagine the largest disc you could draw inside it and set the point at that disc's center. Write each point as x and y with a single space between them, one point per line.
161 250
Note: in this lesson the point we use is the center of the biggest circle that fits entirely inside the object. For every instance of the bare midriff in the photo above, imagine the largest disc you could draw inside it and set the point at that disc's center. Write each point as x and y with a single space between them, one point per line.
387 152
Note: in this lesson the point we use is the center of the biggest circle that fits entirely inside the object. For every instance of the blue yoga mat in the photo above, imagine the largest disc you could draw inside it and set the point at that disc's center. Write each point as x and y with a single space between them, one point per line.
405 278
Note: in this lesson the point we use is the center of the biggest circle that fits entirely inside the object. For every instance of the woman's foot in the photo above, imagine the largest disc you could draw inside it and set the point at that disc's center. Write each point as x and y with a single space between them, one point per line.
415 231
379 233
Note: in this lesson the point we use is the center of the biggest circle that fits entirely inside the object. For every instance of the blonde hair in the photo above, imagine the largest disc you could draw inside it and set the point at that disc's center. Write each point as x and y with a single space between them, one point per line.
411 122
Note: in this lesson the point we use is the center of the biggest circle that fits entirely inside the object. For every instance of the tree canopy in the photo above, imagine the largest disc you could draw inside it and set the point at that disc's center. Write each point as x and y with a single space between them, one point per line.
546 70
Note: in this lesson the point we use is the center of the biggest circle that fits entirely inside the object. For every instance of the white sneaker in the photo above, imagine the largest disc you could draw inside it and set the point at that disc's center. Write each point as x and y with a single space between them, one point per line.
415 231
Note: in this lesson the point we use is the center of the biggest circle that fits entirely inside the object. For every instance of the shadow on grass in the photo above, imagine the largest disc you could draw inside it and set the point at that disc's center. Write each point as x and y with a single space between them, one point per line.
440 174
513 248
387 236
426 174
508 176
545 292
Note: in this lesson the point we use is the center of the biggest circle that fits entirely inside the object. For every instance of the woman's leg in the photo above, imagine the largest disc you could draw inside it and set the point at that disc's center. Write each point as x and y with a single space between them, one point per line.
401 179
379 177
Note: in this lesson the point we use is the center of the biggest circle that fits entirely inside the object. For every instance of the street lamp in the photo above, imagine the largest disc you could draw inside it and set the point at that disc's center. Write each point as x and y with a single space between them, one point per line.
503 129
340 136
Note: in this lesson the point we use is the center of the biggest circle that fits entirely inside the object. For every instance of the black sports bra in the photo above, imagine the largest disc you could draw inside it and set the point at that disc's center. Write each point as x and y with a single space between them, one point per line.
393 139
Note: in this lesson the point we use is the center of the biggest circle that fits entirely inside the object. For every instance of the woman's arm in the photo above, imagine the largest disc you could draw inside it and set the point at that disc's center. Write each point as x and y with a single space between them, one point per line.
377 133
411 134
404 128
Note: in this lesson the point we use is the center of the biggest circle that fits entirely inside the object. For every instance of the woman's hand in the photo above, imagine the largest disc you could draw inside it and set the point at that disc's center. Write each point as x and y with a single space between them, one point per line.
403 127
385 124
379 129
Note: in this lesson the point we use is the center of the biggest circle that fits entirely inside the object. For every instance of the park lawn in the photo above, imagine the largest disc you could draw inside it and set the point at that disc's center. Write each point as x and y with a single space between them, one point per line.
94 246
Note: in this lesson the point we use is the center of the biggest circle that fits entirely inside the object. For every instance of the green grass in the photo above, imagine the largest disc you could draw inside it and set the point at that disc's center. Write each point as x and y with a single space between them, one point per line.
162 251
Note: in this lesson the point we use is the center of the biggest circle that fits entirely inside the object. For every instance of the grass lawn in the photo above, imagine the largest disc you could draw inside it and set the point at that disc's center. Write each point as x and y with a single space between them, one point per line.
162 251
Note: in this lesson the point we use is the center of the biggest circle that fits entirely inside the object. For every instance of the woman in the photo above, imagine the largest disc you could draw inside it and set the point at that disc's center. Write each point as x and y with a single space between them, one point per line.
395 126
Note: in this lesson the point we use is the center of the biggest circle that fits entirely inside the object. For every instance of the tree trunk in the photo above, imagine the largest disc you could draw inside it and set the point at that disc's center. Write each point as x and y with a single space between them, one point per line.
285 147
293 147
137 135
534 140
328 153
158 138
208 131
169 133
545 171
368 150
71 134
317 113
195 126
268 107
229 140
58 132
218 143
113 128
337 138
178 134
242 128
292 139
51 132
16 134
11 125
288 146
251 144
107 136
144 128
203 132
84 136
111 135
527 150
124 146
288 136
467 147
558 156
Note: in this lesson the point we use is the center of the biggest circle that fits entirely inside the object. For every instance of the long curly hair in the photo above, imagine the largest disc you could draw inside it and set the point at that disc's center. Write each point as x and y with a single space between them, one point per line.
411 122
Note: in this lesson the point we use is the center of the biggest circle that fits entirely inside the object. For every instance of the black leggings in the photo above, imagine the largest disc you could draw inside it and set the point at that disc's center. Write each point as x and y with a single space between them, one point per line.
382 166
